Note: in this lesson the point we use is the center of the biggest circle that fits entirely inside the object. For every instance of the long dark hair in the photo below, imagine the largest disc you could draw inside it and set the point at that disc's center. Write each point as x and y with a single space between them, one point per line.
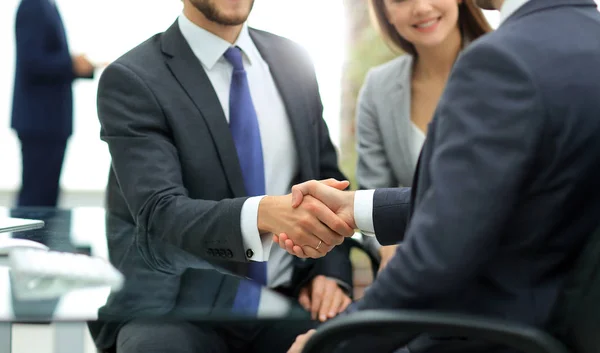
471 21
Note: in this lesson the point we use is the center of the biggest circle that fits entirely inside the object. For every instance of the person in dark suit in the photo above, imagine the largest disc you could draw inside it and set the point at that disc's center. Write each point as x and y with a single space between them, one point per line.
506 192
201 122
42 110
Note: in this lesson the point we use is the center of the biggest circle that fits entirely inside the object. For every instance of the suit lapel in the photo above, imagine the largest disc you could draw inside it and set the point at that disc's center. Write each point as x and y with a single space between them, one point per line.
400 98
293 93
191 76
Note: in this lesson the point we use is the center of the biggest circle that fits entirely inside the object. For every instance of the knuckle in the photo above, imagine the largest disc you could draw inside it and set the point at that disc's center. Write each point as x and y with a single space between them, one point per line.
310 205
340 227
337 240
306 221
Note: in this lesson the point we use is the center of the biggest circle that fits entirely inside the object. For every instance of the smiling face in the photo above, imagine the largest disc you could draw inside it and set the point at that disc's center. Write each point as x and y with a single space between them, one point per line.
424 23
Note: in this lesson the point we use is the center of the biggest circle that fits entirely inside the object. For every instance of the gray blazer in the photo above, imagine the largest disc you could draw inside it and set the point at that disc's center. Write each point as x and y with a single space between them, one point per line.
384 126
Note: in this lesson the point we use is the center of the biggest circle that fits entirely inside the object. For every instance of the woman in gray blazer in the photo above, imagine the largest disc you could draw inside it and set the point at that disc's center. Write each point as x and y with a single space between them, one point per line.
398 98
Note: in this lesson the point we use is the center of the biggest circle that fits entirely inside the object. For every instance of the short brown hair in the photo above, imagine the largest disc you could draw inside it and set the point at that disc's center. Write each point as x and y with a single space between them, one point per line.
471 21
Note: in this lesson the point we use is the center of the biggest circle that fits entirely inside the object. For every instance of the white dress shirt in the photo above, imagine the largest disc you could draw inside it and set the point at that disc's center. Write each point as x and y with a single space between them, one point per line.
363 199
279 151
417 139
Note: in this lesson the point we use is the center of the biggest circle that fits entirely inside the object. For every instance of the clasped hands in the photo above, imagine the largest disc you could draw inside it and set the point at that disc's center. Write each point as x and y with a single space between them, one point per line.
310 221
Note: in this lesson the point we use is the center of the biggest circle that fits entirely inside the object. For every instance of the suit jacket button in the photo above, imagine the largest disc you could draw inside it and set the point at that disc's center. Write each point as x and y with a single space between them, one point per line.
229 253
249 253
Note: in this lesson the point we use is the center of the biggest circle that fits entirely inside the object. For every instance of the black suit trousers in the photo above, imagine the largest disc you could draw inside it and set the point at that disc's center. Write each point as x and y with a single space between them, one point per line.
186 337
42 160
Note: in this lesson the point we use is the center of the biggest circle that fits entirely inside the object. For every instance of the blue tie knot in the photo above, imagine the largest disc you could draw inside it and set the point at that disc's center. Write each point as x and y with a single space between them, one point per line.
234 56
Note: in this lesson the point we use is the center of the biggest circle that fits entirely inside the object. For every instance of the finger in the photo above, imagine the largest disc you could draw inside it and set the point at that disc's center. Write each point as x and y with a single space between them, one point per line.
329 295
345 304
289 246
336 302
295 247
299 252
314 188
310 231
295 250
297 346
312 253
282 243
277 239
299 190
297 196
304 299
339 228
305 337
318 289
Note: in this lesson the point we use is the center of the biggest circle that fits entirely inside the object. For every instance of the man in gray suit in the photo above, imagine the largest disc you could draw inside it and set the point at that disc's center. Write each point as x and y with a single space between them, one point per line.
506 192
201 122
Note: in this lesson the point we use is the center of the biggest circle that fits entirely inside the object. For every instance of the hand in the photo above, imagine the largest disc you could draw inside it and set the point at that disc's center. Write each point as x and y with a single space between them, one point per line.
340 202
323 298
386 253
300 342
314 228
82 66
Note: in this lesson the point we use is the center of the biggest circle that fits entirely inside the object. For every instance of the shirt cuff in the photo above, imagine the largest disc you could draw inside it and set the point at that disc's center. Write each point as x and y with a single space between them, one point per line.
256 245
363 211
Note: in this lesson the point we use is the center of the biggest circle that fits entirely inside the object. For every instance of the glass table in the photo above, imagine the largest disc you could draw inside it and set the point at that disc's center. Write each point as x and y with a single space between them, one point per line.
149 291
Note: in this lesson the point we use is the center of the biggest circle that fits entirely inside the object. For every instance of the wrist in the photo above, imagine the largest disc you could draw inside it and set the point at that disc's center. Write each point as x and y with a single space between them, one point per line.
350 203
267 209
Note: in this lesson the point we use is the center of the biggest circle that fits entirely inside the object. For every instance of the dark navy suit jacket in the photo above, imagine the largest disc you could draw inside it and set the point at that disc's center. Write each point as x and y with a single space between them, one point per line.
43 99
507 189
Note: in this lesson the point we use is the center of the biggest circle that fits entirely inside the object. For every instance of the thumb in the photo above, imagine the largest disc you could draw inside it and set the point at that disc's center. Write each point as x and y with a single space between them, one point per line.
316 189
297 196
298 192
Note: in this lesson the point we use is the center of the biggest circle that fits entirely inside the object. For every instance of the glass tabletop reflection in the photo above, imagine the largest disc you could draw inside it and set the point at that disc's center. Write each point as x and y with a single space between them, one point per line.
209 292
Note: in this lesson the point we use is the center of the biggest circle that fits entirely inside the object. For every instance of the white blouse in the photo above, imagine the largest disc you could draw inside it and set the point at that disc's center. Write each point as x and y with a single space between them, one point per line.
417 139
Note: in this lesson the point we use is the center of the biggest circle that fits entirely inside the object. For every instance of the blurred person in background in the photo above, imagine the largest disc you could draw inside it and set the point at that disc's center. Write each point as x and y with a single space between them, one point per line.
398 98
202 121
42 111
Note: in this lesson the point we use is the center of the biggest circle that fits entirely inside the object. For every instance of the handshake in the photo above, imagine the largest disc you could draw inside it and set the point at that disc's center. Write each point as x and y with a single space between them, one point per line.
310 221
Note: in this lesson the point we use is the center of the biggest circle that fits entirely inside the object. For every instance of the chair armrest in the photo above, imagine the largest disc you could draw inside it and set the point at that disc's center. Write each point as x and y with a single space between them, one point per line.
373 257
407 324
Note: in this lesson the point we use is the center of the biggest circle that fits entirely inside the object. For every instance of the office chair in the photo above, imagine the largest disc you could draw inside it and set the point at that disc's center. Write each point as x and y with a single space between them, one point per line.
573 328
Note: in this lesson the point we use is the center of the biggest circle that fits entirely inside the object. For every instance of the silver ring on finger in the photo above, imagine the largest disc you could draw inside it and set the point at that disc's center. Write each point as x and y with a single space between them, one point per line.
318 246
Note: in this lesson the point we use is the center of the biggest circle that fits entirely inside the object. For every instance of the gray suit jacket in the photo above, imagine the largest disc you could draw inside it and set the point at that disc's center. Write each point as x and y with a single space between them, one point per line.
506 191
383 132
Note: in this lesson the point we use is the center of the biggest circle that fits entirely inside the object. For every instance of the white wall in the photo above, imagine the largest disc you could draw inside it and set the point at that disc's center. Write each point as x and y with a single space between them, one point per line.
106 29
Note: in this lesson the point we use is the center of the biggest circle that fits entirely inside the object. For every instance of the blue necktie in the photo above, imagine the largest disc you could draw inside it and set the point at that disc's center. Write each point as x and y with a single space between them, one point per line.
243 124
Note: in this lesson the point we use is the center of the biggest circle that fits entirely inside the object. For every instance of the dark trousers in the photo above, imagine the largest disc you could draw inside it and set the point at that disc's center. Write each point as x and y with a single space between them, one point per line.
186 337
42 160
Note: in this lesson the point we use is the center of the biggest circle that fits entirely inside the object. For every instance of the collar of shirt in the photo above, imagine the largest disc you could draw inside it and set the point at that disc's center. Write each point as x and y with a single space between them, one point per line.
209 48
509 7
